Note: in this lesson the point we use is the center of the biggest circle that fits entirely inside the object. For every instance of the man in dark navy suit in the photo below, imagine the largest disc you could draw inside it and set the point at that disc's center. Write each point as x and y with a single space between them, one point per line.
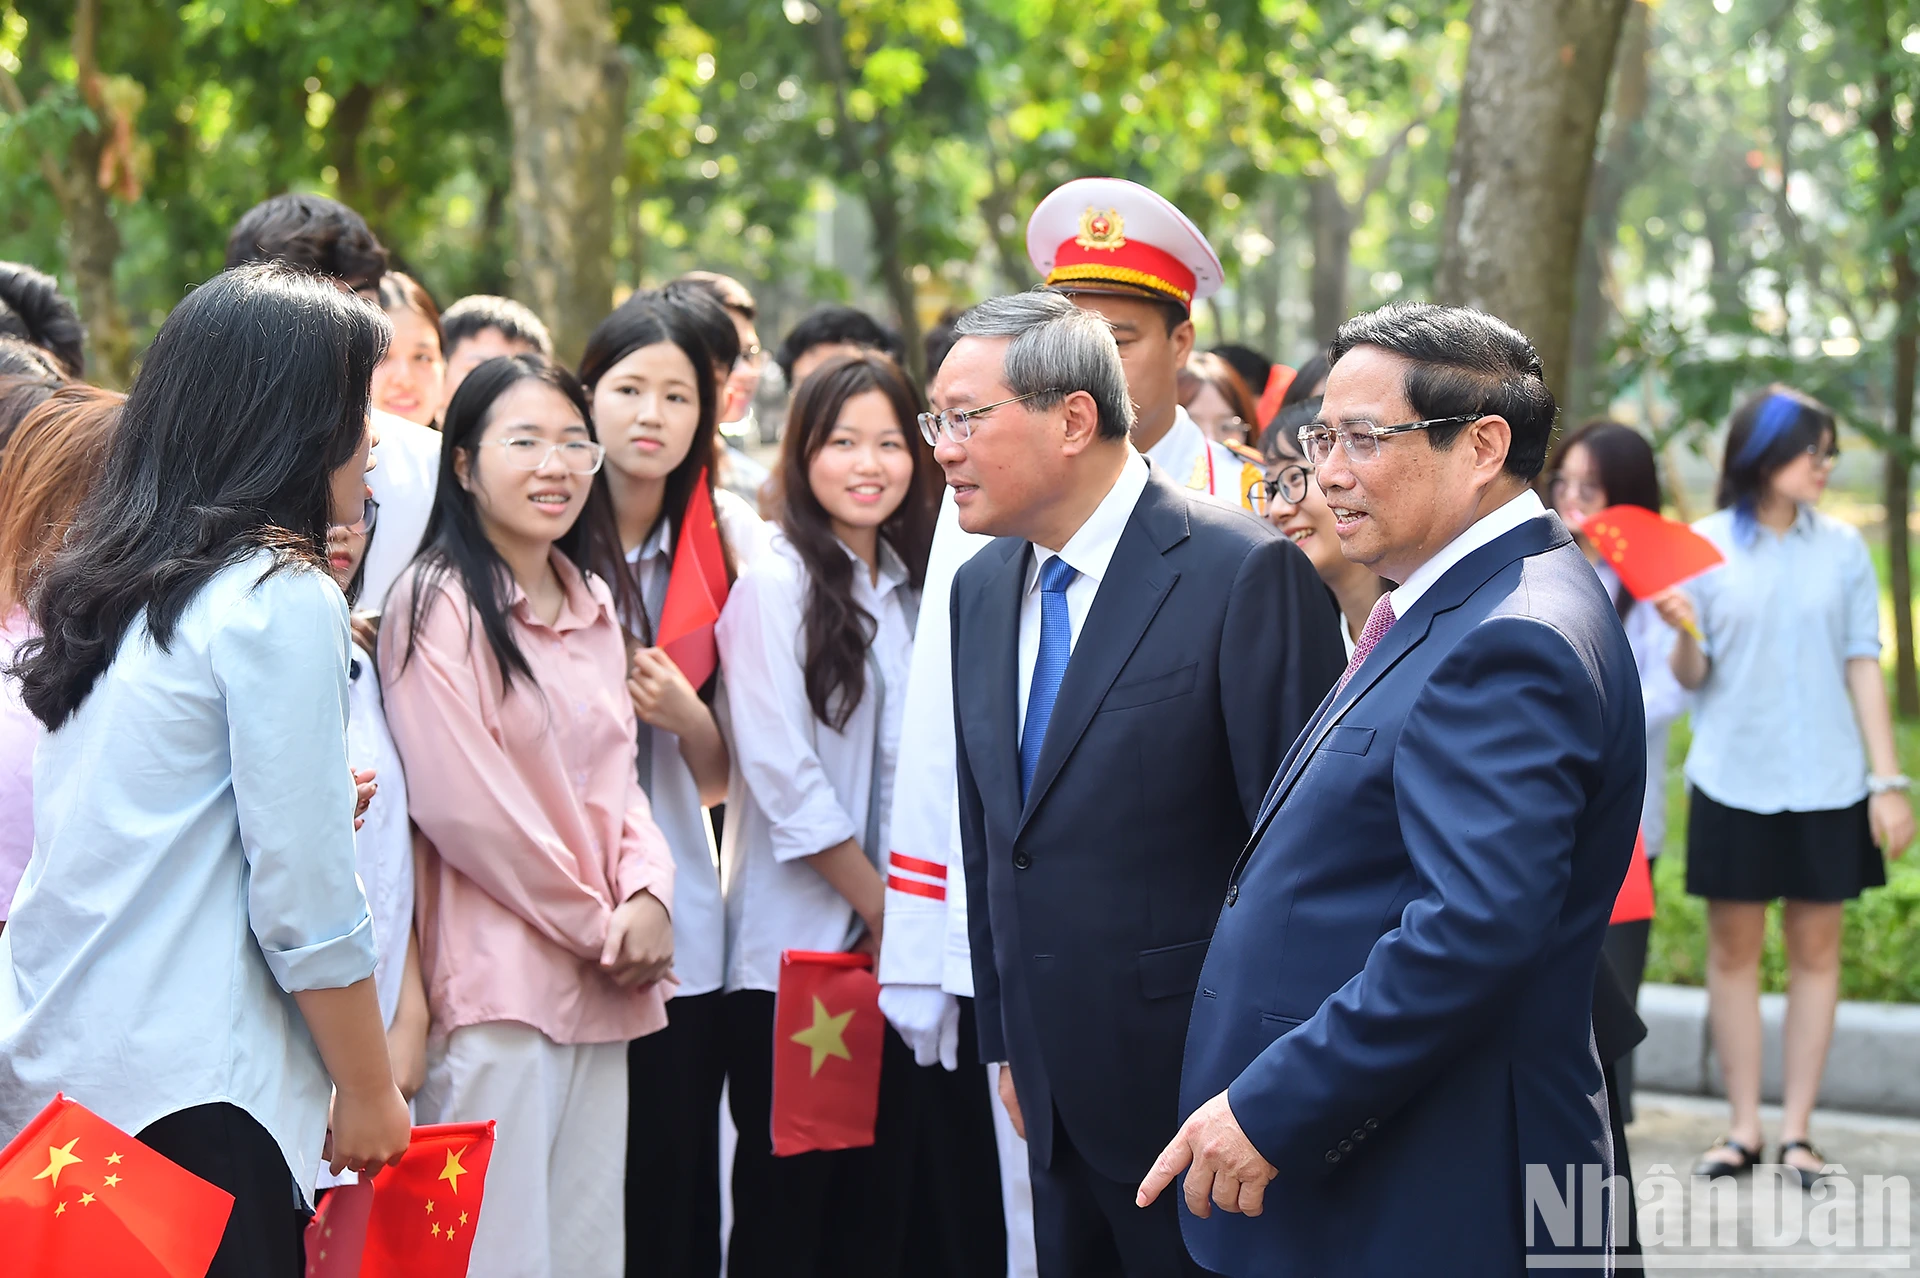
1109 766
1390 1067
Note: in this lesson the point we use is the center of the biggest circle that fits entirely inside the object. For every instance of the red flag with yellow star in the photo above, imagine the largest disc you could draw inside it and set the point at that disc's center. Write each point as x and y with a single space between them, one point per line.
827 1040
696 590
426 1205
78 1196
1650 552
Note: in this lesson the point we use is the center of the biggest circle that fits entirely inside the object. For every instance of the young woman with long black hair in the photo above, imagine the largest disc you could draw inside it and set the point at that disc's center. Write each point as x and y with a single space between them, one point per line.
193 807
1796 789
544 885
816 639
649 376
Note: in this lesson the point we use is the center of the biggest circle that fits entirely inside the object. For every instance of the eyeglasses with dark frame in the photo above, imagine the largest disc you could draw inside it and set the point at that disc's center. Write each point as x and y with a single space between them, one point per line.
954 422
1289 484
1363 444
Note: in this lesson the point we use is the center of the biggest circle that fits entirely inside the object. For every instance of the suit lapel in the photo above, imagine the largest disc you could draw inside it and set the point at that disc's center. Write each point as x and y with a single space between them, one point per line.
1136 583
990 666
1454 588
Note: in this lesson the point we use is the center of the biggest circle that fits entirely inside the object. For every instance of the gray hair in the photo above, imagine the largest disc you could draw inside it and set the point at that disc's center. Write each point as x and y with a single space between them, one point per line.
1057 349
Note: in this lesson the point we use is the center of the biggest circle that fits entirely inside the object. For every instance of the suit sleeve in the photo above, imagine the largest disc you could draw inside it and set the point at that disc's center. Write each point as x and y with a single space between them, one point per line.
1280 652
1488 803
973 852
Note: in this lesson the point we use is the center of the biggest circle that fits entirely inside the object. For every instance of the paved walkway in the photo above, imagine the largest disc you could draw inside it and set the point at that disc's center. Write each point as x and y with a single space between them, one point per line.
1670 1133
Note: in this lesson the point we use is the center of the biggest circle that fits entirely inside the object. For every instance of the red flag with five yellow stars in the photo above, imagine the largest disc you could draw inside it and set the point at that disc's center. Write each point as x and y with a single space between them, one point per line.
827 1040
426 1205
1650 552
78 1196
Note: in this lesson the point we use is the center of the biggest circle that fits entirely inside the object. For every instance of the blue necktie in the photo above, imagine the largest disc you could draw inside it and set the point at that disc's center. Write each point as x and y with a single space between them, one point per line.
1049 665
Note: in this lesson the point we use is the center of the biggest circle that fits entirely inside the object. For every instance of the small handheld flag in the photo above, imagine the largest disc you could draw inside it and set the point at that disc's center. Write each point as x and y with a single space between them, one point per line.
417 1217
1635 901
827 1040
696 590
80 1196
1650 552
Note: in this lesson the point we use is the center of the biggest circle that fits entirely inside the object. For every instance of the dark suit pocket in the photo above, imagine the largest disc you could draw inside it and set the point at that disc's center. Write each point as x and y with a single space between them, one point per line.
1171 969
1144 692
1347 740
1275 1021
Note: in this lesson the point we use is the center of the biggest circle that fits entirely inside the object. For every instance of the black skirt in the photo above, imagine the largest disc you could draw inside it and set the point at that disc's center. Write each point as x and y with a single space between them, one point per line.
1735 855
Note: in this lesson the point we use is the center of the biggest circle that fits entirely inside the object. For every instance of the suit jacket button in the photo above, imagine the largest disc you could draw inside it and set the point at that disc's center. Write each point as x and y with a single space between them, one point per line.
1372 1124
1333 1155
1233 894
1346 1147
1359 1134
1021 860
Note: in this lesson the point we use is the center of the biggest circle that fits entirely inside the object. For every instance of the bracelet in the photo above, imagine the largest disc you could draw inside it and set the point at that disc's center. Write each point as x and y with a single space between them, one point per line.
1896 784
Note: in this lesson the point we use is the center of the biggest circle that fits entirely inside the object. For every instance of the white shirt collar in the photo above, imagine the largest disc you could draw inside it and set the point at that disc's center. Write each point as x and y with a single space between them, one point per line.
1489 527
655 544
1090 549
1178 451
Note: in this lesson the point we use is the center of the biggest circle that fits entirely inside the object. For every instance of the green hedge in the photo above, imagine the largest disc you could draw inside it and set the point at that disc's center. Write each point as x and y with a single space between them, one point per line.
1880 951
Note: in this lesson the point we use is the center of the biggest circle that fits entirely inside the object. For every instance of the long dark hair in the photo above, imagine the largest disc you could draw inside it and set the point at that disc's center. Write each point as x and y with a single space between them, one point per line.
649 319
253 393
456 545
1624 459
838 630
1764 435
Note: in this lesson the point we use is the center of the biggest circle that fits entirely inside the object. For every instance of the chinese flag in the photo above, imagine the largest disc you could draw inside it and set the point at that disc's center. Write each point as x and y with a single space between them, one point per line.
1635 901
78 1197
696 588
827 1040
1650 552
416 1218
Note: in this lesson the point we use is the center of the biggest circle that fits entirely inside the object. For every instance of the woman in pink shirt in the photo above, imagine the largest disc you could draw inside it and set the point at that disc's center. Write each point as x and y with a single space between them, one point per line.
544 890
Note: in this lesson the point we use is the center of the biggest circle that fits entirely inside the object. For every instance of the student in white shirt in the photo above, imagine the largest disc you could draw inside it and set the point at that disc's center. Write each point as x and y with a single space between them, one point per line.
189 952
816 640
649 377
383 841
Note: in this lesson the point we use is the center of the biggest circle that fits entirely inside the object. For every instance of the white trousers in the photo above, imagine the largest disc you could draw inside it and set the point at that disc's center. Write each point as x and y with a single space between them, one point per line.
555 1203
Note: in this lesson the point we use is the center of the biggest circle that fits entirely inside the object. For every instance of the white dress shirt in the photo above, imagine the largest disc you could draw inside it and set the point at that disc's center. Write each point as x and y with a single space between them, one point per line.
1488 528
193 866
799 786
699 917
1088 552
383 845
406 471
1199 464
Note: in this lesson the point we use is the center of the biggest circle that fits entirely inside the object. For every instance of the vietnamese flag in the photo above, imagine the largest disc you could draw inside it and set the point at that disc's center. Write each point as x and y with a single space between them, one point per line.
1650 552
827 1040
79 1197
696 588
414 1219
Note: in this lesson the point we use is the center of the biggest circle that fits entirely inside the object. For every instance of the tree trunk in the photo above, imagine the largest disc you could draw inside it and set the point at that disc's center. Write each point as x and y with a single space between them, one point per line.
1614 168
1331 222
1530 105
1906 355
565 90
873 175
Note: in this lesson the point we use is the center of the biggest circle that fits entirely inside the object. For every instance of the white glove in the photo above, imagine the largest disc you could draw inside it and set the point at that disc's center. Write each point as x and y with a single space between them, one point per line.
928 1018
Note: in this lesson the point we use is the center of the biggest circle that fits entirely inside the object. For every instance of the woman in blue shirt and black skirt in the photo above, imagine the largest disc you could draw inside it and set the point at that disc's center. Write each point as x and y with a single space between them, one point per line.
1795 787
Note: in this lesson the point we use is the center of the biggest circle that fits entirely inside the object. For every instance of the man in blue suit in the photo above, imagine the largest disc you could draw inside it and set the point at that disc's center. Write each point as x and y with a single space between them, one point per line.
1110 760
1389 1066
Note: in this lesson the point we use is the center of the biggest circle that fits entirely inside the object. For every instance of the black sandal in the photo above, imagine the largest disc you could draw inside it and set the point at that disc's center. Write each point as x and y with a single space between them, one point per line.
1805 1178
1721 1167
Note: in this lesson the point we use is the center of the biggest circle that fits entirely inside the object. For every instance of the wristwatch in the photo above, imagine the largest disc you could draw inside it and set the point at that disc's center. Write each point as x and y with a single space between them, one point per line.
1896 784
